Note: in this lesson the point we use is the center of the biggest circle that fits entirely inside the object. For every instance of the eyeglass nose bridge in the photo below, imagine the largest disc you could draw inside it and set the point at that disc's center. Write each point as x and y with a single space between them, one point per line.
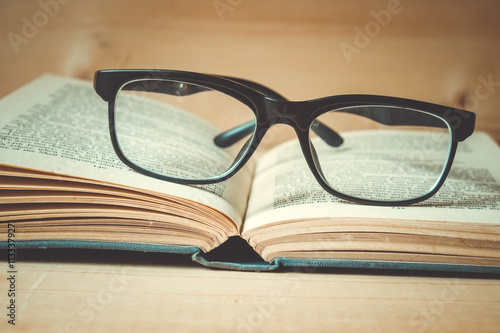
284 112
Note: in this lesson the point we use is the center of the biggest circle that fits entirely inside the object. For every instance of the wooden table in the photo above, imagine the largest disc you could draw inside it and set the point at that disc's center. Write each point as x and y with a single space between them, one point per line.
439 51
106 292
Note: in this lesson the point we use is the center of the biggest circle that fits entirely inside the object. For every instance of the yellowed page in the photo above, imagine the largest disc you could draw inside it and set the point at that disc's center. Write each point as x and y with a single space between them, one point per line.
60 125
286 190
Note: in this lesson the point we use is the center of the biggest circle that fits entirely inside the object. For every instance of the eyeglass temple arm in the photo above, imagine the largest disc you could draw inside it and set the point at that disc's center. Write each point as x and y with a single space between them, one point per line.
389 117
386 116
233 135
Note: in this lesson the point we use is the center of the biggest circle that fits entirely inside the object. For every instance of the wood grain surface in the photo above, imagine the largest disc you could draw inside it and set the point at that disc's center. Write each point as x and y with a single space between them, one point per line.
445 52
116 292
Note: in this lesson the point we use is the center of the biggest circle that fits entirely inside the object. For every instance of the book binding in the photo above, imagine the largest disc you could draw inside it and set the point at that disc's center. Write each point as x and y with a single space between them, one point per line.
209 260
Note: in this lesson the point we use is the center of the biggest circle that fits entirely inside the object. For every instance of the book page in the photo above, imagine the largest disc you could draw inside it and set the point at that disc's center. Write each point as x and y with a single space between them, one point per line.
59 125
285 189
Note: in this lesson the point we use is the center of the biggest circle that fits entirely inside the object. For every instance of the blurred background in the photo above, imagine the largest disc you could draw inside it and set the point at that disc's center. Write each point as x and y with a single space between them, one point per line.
446 52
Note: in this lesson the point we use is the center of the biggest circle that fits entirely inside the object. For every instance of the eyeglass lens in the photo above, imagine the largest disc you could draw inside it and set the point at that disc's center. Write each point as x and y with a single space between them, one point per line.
387 153
168 127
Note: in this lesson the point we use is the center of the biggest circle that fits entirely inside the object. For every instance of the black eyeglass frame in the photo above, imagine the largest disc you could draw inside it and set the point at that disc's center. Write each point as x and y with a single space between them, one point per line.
271 108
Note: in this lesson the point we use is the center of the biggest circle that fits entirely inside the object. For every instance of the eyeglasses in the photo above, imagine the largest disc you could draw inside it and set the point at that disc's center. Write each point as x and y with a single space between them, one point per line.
192 128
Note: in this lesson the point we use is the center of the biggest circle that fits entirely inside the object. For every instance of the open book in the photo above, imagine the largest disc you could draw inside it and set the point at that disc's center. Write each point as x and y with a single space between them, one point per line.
61 185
